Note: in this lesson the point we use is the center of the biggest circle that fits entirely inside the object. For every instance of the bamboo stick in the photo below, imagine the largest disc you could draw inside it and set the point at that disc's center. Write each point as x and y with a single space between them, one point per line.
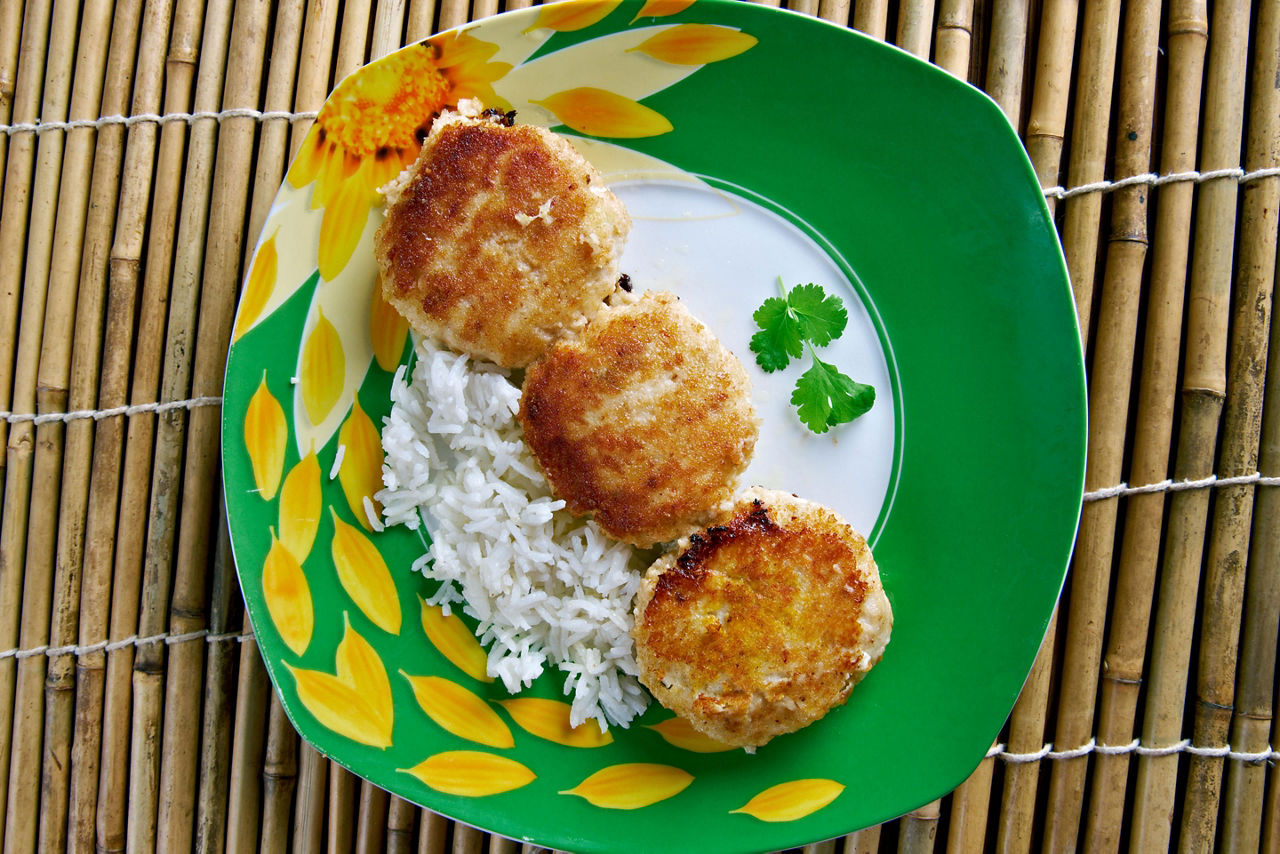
955 37
313 65
309 809
221 277
1088 163
401 821
872 18
433 833
252 705
35 454
466 839
341 809
918 829
804 7
453 13
100 525
70 364
1006 57
835 11
135 488
1026 735
1122 668
215 740
371 824
279 779
502 845
1109 388
166 484
353 39
915 27
10 42
866 841
1224 583
20 169
1047 122
967 817
421 19
1204 387
388 22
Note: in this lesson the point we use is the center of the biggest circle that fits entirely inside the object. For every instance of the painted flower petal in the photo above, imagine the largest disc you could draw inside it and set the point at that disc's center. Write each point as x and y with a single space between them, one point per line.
257 287
599 112
265 437
288 597
345 215
323 369
361 471
388 331
455 641
549 719
632 785
471 773
573 15
300 507
340 707
365 576
696 44
306 163
680 733
459 711
790 801
661 8
360 668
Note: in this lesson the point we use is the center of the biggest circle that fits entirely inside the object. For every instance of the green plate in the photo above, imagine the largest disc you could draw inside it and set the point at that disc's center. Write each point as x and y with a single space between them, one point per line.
749 144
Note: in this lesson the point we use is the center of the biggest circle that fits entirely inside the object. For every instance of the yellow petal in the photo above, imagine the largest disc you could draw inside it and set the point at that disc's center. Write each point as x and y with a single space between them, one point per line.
455 641
300 507
265 435
459 711
549 719
288 597
387 330
471 773
344 219
257 286
679 733
360 669
361 471
599 112
323 369
306 164
340 707
632 785
790 801
661 8
573 14
696 44
364 575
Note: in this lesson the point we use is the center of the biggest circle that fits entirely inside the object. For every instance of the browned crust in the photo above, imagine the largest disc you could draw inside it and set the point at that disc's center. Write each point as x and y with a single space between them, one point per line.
755 627
456 261
644 420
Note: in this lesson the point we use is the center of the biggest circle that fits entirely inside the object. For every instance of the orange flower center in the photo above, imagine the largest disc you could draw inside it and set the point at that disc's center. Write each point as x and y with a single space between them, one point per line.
390 104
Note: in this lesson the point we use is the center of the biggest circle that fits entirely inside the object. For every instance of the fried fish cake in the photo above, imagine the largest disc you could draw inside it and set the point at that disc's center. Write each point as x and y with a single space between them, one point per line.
644 420
499 239
761 624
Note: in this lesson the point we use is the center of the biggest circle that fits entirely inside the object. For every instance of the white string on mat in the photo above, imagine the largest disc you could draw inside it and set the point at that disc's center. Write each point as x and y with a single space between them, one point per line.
999 751
132 640
99 414
1212 480
1060 193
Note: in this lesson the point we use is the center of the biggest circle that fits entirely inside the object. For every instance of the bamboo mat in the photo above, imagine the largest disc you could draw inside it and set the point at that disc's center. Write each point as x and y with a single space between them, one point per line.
135 712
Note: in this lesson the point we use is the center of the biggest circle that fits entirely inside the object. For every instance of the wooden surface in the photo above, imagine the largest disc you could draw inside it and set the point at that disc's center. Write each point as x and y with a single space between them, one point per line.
135 713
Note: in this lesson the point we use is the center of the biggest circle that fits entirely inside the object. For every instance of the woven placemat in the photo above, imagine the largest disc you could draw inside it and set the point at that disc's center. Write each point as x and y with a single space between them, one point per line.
141 144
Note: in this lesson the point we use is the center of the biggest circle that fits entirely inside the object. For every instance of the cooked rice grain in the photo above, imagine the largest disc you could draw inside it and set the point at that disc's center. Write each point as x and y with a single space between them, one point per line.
544 585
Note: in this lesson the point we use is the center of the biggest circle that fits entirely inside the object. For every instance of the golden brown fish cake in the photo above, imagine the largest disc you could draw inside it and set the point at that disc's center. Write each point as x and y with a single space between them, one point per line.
499 239
644 420
760 625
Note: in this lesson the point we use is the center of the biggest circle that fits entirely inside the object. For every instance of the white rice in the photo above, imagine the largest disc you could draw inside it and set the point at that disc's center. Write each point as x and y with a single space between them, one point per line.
545 586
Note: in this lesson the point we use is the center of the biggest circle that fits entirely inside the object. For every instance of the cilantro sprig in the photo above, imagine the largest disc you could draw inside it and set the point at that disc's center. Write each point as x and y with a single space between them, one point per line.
801 319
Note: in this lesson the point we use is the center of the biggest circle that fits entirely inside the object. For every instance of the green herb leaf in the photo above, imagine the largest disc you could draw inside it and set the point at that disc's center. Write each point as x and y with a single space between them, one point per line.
825 397
821 317
778 340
